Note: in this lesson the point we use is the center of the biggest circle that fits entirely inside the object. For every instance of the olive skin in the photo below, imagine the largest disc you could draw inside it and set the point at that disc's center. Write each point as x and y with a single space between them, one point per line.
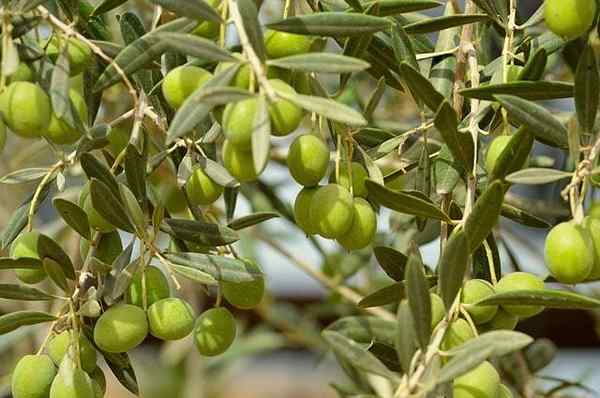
170 319
283 44
79 54
592 225
208 29
59 131
520 281
569 253
302 210
481 382
214 331
308 159
569 18
121 328
26 246
242 76
157 287
59 345
495 150
363 228
26 109
22 74
245 295
332 210
359 176
239 163
238 122
458 332
501 321
438 310
473 291
285 115
201 189
33 377
181 82
504 392
71 382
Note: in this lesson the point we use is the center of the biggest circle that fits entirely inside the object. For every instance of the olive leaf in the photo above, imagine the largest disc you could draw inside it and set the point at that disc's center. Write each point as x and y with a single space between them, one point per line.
529 90
537 175
320 63
452 266
546 298
587 88
18 292
199 232
251 220
220 268
14 320
435 24
74 216
419 300
391 261
331 24
196 9
484 215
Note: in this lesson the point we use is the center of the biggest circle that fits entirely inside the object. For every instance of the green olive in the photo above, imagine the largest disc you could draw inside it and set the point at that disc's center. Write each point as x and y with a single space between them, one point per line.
181 82
238 122
308 159
520 281
458 332
359 176
363 228
209 29
569 253
79 53
332 210
121 328
569 18
473 291
71 382
170 319
592 225
302 210
283 44
59 345
214 331
26 109
59 131
201 189
239 162
481 382
245 295
26 246
157 287
285 115
33 377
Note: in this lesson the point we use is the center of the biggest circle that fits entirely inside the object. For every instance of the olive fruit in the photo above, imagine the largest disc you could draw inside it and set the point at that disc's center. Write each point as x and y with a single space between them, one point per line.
59 345
238 122
363 228
157 287
502 321
481 382
121 328
71 382
592 225
245 295
302 210
170 319
438 310
308 159
78 53
214 331
33 377
494 151
22 74
332 210
283 44
473 291
181 82
108 249
59 131
458 332
569 18
239 162
208 29
569 252
26 109
26 246
504 392
520 281
285 115
242 76
96 220
359 176
201 189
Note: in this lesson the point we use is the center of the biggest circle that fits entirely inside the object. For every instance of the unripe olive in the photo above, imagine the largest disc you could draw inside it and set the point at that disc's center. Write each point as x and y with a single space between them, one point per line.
520 281
359 176
98 382
239 162
22 74
285 115
121 328
592 225
458 332
473 291
26 246
363 228
438 310
569 252
96 220
59 345
245 295
201 189
569 18
302 210
594 211
332 210
238 122
495 150
59 131
108 249
502 321
181 82
308 159
71 382
242 76
208 29
2 134
283 44
170 319
480 382
512 74
504 392
78 53
26 109
214 331
157 287
163 184
33 377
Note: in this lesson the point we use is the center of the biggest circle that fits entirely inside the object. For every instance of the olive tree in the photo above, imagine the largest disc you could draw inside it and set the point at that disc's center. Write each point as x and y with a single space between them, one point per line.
158 115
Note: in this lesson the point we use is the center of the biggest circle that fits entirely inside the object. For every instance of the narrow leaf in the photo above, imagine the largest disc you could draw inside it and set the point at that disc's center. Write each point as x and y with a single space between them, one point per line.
331 24
74 216
15 320
452 266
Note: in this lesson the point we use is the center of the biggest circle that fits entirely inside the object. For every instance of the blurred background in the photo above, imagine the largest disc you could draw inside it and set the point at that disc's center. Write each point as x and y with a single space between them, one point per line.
279 353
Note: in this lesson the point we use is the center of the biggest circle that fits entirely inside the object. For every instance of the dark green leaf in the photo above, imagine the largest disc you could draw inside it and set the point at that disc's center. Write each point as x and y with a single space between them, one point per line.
199 232
106 5
421 87
15 320
109 206
74 216
56 273
523 217
331 24
131 205
391 261
321 63
194 274
419 300
135 172
383 296
546 298
366 329
20 263
403 48
436 24
406 339
223 269
394 7
48 248
18 292
24 175
485 214
196 46
537 175
452 266
514 155
93 168
195 9
530 90
587 87
252 219
249 14
535 66
459 144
